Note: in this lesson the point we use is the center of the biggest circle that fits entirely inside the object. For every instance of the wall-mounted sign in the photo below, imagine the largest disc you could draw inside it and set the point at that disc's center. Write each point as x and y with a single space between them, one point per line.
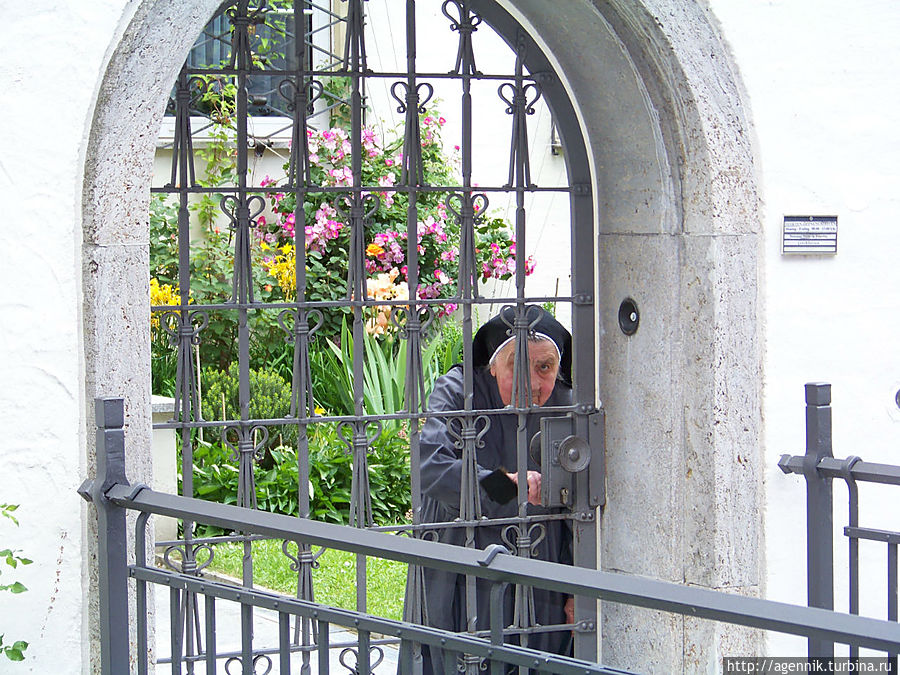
809 235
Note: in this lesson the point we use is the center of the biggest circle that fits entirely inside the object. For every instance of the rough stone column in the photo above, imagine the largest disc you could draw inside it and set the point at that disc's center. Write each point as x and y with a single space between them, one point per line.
118 166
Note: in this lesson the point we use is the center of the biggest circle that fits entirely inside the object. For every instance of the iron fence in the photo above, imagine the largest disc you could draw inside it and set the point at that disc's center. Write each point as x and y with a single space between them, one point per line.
819 467
112 496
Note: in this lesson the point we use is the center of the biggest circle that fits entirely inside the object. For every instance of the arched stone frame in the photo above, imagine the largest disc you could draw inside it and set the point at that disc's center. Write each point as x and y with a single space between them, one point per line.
677 230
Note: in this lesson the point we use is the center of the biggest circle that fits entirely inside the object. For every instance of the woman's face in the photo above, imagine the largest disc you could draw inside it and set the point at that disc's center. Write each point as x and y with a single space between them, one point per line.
544 362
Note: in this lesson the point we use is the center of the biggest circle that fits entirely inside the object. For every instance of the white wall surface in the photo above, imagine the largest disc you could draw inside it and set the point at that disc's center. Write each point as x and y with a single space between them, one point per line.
51 56
820 78
821 83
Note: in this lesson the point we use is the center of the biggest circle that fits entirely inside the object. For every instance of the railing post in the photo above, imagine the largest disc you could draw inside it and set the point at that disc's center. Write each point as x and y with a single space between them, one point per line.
819 518
111 554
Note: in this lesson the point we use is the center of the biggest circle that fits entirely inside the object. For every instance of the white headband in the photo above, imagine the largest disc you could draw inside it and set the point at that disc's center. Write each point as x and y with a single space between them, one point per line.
533 335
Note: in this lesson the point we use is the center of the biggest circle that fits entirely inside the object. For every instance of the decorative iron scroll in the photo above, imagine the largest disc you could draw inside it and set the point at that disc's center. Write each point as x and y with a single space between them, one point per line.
469 210
299 335
411 329
468 434
246 448
354 435
523 540
189 633
183 145
361 208
522 327
465 23
238 210
355 42
300 100
187 401
520 98
306 629
412 103
242 16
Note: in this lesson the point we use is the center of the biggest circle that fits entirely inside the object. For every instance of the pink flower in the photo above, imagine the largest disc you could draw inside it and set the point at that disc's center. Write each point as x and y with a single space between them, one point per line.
442 121
261 221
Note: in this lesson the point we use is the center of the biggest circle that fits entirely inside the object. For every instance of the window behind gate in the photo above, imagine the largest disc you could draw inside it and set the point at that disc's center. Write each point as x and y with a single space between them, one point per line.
350 190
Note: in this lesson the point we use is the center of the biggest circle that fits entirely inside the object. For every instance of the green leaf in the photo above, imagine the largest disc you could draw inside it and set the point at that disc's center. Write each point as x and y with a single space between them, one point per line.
15 653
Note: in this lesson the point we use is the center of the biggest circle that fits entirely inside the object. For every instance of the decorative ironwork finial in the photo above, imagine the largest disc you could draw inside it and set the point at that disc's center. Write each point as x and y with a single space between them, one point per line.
465 23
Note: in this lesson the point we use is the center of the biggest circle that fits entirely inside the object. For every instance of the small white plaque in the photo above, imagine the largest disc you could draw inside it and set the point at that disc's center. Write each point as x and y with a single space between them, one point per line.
810 235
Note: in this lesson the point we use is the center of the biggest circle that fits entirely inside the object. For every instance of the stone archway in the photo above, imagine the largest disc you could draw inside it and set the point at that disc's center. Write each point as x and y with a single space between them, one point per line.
678 232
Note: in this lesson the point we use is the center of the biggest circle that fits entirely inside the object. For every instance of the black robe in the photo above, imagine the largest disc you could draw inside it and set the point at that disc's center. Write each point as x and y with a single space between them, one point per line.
441 471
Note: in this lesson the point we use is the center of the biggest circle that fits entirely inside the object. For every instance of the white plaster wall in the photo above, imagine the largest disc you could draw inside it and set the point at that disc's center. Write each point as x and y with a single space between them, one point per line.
51 57
821 84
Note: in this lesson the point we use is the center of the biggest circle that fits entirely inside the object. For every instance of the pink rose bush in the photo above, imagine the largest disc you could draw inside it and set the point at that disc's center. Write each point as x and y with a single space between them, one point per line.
327 234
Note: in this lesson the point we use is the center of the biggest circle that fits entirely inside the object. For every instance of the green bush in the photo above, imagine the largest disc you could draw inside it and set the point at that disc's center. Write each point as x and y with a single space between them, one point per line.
270 398
330 477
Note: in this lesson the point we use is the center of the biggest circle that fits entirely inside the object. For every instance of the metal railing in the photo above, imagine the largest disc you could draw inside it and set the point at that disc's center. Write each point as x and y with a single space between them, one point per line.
819 467
113 496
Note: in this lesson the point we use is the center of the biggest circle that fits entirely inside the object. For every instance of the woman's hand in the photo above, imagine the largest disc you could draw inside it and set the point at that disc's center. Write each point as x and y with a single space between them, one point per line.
534 485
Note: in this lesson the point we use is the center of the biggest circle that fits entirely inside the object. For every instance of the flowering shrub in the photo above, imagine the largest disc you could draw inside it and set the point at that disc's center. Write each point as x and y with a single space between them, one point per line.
327 233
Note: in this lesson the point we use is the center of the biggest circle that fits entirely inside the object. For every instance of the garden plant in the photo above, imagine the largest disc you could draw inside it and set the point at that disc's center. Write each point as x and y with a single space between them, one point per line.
326 240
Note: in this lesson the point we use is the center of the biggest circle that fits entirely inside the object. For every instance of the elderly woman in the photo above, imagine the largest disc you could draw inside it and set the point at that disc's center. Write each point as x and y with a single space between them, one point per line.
493 349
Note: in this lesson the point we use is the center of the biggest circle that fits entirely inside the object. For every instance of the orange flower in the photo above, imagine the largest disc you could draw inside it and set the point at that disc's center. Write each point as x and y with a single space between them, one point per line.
374 250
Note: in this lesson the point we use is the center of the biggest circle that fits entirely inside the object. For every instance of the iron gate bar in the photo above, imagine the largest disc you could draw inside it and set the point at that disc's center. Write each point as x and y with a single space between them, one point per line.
831 467
245 201
632 590
461 642
819 467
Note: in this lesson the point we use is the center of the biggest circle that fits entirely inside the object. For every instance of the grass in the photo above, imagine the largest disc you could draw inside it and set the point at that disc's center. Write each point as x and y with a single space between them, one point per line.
334 581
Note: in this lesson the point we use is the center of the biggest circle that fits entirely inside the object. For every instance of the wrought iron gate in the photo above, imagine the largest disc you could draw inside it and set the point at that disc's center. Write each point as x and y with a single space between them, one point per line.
570 444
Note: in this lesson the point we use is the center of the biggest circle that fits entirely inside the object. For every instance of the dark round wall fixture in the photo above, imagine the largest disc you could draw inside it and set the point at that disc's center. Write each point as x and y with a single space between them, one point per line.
629 318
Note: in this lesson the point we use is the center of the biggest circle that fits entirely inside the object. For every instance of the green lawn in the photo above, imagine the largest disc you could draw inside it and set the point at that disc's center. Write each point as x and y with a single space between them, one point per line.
334 581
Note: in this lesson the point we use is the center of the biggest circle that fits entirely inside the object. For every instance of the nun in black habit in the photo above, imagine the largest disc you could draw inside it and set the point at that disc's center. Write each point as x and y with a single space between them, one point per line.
493 350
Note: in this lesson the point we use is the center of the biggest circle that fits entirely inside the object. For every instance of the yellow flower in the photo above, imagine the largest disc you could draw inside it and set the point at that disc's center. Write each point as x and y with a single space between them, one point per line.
162 294
283 268
374 250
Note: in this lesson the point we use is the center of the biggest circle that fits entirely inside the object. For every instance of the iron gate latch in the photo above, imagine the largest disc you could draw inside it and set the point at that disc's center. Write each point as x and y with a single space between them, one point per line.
563 453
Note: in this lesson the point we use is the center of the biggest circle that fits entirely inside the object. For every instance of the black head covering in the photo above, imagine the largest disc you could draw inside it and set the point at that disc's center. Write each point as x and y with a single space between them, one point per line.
496 331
